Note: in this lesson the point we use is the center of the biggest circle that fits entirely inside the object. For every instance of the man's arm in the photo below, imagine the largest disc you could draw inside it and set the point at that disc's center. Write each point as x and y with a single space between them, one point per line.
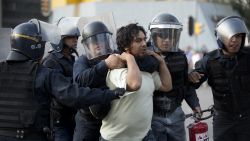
133 78
86 75
192 99
199 74
164 73
93 76
70 94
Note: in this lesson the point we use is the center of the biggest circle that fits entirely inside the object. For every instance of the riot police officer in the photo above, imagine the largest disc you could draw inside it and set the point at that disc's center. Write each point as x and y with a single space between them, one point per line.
61 58
27 87
168 119
91 70
227 71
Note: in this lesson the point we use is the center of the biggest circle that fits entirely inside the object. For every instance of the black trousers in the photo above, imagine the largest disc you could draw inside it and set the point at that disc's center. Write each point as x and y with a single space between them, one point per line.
231 127
86 130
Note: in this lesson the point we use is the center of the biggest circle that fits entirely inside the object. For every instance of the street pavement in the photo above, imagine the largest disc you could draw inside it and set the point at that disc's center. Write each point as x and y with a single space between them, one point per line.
206 99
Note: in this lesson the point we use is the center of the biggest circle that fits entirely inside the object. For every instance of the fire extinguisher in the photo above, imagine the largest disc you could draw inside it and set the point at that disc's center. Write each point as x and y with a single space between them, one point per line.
198 131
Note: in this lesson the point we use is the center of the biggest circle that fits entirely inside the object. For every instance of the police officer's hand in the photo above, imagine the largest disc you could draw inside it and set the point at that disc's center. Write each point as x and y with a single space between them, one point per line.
119 92
195 76
126 56
157 56
197 111
113 61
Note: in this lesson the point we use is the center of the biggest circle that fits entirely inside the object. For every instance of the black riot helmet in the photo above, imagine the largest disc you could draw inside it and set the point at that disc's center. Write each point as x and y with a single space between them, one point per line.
165 32
26 43
28 40
228 27
97 40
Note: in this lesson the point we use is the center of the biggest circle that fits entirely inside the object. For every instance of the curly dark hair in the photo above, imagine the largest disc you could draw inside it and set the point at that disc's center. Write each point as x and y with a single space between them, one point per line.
126 34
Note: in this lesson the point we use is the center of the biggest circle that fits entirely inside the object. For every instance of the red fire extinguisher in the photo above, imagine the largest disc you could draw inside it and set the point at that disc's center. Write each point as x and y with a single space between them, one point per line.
198 131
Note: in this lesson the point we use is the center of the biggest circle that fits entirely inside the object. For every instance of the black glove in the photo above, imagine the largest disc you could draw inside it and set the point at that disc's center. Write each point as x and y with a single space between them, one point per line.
119 92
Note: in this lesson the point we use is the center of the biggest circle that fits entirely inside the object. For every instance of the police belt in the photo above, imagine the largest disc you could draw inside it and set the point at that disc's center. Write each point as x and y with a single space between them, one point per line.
165 113
22 133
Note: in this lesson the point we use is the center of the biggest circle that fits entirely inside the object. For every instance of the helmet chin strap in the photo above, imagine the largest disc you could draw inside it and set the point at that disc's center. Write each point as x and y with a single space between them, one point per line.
71 50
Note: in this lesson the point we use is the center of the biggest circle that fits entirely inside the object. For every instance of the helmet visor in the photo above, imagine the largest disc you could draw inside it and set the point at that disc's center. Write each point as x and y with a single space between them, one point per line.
68 26
48 32
165 40
99 46
230 26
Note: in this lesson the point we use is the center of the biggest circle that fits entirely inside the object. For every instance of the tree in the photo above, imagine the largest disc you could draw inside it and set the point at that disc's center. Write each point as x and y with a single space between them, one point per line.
243 7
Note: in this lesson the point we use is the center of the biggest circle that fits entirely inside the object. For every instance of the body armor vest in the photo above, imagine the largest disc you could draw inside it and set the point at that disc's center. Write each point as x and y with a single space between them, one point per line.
178 67
230 88
18 107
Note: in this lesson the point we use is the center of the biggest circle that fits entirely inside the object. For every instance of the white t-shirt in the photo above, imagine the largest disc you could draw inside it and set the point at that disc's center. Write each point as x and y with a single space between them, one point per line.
129 118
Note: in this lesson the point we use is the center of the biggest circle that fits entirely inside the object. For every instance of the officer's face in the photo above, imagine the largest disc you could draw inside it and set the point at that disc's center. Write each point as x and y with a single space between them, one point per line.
138 46
95 49
164 43
98 48
71 41
98 45
234 44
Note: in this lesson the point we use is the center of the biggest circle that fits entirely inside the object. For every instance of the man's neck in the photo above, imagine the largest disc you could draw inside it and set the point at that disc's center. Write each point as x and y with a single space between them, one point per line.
66 53
227 53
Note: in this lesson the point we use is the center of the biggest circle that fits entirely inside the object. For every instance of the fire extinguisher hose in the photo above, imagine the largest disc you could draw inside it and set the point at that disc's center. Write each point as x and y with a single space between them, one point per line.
197 118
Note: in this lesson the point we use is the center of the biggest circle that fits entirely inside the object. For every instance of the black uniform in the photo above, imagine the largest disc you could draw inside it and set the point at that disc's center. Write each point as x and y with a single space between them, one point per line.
26 90
56 60
229 78
93 75
62 116
167 105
